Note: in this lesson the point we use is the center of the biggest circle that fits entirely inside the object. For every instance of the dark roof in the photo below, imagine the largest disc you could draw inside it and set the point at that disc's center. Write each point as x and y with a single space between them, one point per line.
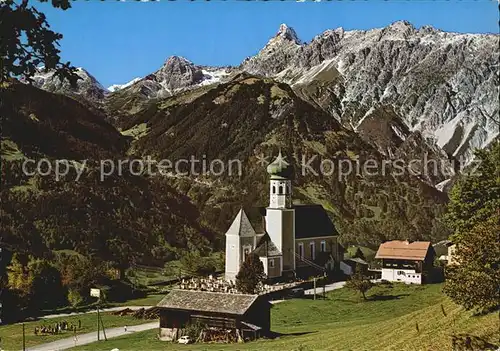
357 260
266 247
192 300
312 221
241 225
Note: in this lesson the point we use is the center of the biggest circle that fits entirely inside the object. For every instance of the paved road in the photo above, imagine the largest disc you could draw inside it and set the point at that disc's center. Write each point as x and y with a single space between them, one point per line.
329 287
88 338
109 309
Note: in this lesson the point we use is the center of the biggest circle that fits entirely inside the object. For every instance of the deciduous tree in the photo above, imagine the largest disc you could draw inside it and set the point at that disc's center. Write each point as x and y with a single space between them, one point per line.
475 197
27 42
473 214
474 280
359 283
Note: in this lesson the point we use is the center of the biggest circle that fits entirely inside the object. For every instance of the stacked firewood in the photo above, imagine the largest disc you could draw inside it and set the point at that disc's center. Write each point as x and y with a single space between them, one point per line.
218 335
142 313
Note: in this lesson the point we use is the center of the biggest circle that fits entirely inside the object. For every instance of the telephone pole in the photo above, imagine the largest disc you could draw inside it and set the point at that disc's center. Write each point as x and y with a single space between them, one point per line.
314 279
98 325
24 339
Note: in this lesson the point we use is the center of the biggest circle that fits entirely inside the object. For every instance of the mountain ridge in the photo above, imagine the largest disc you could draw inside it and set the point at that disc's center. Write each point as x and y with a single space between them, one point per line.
440 84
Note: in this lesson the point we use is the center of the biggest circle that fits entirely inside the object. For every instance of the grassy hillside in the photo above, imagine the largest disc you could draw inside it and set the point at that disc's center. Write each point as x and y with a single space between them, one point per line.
395 318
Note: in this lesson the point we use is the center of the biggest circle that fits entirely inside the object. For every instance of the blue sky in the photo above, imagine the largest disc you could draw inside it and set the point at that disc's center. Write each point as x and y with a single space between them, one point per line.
118 41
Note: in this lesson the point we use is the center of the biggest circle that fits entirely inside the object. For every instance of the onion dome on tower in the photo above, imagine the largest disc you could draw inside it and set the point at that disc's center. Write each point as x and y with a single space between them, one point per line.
280 168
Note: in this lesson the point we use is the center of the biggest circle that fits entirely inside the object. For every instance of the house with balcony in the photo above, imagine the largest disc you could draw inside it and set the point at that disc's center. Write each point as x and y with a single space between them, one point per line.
406 261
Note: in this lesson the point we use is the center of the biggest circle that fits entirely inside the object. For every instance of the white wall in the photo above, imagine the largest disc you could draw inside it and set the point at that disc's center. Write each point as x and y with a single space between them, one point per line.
401 275
277 200
345 268
233 250
280 225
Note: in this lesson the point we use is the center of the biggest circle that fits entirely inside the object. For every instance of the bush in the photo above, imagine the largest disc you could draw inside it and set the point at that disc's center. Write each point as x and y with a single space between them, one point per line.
74 297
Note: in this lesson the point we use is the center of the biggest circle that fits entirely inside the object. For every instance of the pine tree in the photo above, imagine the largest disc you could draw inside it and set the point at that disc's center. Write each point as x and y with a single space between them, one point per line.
251 274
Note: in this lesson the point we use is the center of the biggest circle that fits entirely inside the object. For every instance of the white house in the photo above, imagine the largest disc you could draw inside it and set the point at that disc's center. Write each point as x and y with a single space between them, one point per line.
405 261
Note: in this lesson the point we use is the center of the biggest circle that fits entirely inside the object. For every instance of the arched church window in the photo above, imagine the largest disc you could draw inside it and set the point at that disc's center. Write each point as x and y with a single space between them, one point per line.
274 189
281 190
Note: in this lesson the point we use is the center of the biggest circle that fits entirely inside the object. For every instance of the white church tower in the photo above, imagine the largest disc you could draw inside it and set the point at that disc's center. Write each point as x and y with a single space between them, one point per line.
240 241
280 216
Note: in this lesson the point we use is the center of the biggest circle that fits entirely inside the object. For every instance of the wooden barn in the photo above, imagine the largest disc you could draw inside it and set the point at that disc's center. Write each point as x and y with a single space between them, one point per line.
248 316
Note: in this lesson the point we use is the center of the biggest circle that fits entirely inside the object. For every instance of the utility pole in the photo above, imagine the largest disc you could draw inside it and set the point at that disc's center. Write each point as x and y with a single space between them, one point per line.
324 286
314 279
97 293
24 339
98 326
103 330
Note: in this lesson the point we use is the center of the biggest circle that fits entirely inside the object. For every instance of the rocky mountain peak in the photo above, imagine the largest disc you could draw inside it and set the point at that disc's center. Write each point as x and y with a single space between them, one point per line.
87 87
287 33
177 60
403 29
178 72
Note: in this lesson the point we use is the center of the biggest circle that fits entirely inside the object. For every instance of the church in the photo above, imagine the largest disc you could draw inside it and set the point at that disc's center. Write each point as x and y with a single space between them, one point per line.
298 240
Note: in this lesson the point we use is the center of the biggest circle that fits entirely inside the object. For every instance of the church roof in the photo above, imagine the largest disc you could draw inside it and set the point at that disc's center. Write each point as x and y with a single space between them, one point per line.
241 225
266 247
312 221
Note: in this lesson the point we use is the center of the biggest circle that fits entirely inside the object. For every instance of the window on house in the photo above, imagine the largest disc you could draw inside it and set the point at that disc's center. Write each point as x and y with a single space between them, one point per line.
271 263
311 248
245 253
323 246
301 250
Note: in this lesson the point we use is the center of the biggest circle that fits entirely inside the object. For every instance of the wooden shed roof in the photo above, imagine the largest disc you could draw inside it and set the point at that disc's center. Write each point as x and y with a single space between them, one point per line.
206 301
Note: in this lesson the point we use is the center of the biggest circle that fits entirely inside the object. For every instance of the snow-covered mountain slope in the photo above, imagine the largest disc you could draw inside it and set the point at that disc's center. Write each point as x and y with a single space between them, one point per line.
444 85
176 75
116 87
87 87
